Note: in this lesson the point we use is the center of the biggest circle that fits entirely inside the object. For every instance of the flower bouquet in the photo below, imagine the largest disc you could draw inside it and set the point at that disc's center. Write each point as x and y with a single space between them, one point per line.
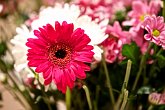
84 54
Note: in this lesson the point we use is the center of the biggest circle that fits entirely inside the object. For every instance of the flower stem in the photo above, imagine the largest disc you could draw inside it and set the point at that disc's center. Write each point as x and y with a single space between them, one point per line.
68 99
159 52
125 83
129 63
19 93
124 99
108 81
45 97
150 107
96 97
87 96
142 64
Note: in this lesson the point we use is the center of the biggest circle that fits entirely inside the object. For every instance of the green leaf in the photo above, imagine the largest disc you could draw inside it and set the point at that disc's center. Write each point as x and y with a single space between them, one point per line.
161 60
3 66
131 51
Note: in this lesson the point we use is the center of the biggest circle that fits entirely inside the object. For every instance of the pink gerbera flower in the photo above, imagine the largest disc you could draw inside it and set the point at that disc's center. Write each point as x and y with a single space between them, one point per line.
156 29
60 53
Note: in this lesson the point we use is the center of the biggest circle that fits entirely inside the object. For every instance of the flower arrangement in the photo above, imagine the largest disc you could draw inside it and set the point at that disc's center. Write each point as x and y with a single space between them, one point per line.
84 54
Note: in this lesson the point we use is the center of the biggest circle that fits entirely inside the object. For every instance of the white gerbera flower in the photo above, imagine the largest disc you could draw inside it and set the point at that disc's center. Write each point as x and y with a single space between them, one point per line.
71 14
19 49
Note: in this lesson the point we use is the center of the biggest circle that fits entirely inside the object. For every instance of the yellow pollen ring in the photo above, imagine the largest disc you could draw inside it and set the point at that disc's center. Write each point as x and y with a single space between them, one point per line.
142 17
155 33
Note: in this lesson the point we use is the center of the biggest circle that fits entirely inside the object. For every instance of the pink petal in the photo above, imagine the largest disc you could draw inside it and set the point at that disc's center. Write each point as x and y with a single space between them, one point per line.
57 75
47 73
147 36
42 67
70 82
64 86
72 75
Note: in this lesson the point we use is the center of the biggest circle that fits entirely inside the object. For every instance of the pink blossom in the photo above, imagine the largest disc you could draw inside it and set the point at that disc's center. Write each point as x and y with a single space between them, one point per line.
155 27
157 98
60 53
97 9
140 10
113 44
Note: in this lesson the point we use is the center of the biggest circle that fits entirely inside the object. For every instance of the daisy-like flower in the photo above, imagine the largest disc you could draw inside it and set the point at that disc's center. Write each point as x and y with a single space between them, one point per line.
59 53
140 9
155 27
72 14
19 49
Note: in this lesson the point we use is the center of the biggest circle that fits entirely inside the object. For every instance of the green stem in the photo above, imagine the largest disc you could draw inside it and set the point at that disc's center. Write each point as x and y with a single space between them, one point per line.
87 96
159 52
108 81
142 64
96 97
68 99
20 94
9 88
45 97
150 107
124 100
125 83
129 63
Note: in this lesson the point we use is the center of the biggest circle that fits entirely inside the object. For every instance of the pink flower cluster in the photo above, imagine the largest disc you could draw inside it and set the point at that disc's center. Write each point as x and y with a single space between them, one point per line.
113 44
60 52
157 98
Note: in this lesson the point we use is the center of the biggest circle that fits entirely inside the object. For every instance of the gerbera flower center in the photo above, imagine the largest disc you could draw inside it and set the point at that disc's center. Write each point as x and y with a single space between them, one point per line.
155 33
60 54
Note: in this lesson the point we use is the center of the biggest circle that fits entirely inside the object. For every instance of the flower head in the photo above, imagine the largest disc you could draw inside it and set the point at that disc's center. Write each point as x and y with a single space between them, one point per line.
59 53
19 48
71 14
113 44
140 9
157 98
155 27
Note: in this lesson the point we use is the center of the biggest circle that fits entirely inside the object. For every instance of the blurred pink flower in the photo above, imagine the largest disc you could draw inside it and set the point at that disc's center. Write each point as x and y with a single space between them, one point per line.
60 53
97 9
113 44
155 27
111 49
140 10
101 9
157 98
137 35
29 82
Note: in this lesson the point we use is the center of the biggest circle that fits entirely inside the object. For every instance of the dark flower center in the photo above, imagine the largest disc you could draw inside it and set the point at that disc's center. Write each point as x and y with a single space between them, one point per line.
60 53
